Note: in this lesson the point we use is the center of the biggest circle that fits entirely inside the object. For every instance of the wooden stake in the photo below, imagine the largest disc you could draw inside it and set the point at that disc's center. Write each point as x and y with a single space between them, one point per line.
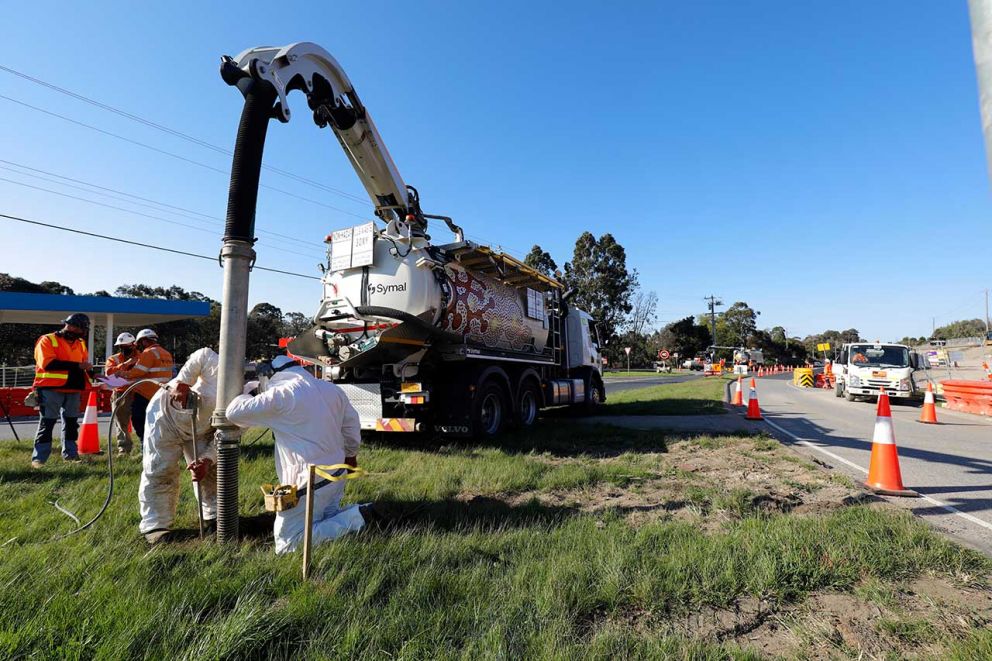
309 522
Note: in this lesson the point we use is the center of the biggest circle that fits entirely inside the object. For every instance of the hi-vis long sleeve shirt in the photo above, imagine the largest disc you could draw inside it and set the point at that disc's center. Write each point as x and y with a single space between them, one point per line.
154 363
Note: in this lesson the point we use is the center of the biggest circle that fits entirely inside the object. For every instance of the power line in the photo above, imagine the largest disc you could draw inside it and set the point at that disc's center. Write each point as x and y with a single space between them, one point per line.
173 155
178 134
138 213
144 245
179 211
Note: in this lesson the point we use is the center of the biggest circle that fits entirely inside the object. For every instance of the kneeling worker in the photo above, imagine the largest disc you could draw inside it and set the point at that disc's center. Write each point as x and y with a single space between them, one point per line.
313 423
169 437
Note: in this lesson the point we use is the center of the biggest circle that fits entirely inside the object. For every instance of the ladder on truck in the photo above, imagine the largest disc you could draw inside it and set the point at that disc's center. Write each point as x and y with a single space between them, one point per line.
555 338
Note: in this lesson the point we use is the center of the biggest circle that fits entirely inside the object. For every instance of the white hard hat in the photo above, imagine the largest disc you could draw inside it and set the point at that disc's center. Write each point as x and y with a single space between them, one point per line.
147 333
124 338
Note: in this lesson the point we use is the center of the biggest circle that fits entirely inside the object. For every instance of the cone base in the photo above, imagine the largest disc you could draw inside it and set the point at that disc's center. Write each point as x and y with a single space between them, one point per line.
928 422
753 417
908 493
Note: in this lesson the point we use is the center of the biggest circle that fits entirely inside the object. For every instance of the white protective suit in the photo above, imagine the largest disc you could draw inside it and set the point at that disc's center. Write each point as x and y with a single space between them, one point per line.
169 439
313 423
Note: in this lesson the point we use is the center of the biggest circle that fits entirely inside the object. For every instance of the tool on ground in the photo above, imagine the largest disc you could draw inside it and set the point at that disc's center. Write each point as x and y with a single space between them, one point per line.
89 431
884 476
9 421
753 410
193 404
929 413
739 392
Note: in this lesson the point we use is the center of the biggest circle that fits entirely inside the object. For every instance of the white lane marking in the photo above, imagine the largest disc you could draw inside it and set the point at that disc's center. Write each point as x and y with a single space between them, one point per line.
944 506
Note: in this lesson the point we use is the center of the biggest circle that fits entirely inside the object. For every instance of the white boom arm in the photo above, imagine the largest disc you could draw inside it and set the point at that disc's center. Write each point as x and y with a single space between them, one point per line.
331 96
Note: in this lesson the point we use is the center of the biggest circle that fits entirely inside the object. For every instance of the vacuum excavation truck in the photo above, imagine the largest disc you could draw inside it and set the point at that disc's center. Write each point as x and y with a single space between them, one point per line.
448 337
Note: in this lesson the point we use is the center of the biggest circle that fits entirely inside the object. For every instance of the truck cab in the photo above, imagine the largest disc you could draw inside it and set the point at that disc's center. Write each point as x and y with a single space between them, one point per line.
864 369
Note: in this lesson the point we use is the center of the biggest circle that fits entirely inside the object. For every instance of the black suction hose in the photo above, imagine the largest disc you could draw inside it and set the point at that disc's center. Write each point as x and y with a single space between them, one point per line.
400 315
239 235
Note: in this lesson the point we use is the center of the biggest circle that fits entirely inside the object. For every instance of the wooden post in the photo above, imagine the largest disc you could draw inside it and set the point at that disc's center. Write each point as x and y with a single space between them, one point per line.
308 525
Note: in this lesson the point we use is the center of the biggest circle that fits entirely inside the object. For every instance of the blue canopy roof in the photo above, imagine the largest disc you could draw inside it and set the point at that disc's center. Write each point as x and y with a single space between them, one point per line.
18 308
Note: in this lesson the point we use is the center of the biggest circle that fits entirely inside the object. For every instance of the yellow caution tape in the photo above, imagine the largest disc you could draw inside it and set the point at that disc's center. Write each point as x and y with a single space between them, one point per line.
351 472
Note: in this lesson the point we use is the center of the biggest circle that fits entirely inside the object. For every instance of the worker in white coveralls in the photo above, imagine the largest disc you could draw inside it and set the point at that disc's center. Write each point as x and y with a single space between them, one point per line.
169 438
313 423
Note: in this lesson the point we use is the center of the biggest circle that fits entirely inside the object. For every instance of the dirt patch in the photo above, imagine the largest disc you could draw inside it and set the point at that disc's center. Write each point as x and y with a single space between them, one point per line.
919 619
708 481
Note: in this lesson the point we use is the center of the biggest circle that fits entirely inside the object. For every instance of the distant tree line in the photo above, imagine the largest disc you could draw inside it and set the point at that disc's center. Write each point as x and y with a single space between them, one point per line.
266 323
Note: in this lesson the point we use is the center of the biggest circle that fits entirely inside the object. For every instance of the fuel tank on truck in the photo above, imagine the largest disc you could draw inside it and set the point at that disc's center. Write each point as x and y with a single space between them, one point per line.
406 293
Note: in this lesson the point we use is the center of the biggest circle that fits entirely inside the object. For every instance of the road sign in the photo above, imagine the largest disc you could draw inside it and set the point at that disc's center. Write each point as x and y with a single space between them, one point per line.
823 346
626 350
663 354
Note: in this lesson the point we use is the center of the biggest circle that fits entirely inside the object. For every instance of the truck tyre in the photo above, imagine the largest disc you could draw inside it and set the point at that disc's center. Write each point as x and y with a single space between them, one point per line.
528 403
849 396
839 388
489 409
595 395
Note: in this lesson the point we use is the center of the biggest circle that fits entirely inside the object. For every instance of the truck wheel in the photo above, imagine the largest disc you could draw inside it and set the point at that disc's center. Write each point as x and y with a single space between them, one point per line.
594 398
528 404
838 389
849 396
489 410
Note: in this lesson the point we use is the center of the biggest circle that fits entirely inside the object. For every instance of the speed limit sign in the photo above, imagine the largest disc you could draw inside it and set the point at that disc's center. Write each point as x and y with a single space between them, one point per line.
663 354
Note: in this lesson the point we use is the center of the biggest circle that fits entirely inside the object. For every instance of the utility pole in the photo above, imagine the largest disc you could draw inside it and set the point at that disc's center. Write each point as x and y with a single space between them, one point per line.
713 304
981 43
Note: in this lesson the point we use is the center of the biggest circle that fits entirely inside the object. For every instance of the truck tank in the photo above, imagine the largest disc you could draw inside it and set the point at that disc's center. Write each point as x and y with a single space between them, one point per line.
412 292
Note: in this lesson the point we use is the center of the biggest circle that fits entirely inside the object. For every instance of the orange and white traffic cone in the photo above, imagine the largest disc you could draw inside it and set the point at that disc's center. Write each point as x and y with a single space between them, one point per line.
753 410
739 392
761 372
884 476
89 432
929 412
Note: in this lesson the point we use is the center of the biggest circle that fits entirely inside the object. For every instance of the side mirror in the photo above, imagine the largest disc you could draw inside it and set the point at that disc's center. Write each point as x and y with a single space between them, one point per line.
914 360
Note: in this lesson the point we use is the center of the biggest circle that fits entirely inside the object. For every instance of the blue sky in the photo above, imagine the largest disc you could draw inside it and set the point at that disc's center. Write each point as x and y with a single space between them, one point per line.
821 161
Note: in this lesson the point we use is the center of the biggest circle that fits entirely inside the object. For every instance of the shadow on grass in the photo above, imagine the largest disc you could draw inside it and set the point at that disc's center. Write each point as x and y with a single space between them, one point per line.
664 407
457 515
559 438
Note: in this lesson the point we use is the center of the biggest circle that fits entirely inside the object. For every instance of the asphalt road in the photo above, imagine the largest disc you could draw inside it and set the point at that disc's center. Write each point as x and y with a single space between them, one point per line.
949 464
26 428
619 383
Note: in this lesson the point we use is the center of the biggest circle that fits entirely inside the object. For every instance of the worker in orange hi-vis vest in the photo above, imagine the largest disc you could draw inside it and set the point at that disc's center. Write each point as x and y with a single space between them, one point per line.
120 362
154 363
62 373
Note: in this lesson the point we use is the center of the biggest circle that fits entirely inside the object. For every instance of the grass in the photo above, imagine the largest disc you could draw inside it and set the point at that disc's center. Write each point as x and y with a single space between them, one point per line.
697 397
470 573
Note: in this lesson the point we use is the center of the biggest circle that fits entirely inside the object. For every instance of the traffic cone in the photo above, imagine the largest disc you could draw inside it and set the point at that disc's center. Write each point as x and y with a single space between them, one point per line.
89 433
884 476
929 412
739 392
761 372
753 411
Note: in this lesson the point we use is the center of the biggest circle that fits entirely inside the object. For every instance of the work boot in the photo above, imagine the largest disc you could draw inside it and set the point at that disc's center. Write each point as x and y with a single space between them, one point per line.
375 514
37 464
72 460
158 536
121 452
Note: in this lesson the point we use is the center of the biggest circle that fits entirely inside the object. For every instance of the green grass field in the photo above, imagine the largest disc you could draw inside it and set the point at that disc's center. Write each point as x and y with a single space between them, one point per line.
497 555
620 374
696 397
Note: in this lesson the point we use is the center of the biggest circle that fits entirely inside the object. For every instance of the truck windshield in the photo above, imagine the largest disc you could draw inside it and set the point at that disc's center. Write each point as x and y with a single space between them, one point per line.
870 355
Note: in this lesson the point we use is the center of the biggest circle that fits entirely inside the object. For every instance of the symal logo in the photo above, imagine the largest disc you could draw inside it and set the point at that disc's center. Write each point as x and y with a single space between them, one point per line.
386 289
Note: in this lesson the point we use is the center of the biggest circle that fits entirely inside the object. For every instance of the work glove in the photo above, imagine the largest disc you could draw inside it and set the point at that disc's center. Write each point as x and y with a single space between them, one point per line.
199 468
251 389
180 395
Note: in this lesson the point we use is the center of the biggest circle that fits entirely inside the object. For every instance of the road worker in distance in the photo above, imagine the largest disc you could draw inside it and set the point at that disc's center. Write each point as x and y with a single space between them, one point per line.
169 438
62 372
152 362
123 360
313 423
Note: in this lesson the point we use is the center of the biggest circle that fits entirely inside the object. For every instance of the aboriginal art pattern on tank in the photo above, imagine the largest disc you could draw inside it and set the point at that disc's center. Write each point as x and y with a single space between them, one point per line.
486 311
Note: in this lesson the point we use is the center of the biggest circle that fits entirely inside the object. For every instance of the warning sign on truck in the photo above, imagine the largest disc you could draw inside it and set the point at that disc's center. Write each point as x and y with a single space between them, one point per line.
352 247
